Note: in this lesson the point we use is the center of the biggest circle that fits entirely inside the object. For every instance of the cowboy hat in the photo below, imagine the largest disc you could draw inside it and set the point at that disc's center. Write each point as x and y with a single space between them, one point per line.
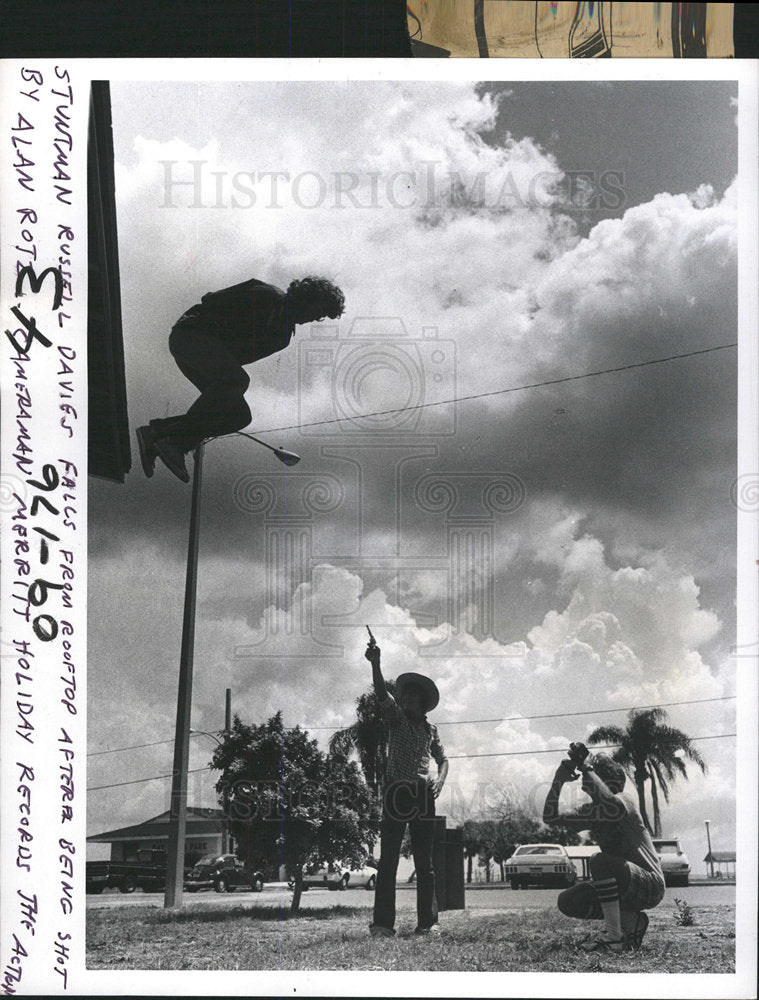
431 693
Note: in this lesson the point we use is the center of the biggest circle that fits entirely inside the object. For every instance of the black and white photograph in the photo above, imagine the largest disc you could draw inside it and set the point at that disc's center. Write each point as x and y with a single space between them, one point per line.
417 474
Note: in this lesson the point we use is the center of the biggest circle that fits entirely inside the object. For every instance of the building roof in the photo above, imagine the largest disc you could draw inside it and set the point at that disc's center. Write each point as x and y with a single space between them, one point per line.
199 821
583 851
720 856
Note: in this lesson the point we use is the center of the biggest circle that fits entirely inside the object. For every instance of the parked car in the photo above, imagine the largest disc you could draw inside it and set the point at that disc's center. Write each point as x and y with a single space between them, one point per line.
540 864
674 861
340 878
224 873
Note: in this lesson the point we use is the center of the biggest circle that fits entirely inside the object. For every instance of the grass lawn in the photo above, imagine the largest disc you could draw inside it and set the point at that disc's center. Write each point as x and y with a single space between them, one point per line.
336 938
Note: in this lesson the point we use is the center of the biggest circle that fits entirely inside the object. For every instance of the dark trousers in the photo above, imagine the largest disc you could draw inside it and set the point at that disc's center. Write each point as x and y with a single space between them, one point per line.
639 889
213 368
581 900
406 803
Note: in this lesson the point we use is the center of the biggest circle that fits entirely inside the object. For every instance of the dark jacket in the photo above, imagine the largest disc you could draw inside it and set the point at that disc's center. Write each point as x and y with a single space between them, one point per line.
251 319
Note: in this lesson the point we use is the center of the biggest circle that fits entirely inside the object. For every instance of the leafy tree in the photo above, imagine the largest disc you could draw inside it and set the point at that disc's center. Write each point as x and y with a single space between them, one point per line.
367 737
557 833
508 831
287 800
507 824
494 847
650 750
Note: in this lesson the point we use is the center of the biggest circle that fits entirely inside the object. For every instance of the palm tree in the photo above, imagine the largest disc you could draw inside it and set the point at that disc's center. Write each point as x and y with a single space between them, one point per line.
367 736
650 750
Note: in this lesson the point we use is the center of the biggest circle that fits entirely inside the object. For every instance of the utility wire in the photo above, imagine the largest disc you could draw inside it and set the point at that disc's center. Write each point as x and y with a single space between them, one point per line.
467 722
137 781
461 399
461 756
497 392
137 746
444 402
554 715
594 711
604 746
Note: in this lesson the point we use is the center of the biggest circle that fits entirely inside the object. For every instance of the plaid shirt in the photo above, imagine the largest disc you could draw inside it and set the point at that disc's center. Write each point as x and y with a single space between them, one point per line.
411 743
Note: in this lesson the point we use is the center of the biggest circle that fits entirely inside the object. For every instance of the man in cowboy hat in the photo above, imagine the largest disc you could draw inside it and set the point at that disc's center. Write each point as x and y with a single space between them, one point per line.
409 793
625 876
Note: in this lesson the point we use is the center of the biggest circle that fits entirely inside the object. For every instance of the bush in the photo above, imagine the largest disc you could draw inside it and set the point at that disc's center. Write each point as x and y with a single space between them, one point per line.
684 913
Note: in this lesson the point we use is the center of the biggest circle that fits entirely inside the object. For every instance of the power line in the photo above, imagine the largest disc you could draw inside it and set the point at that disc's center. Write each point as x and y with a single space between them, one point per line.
460 756
137 746
604 746
140 746
556 715
497 392
468 722
137 781
594 711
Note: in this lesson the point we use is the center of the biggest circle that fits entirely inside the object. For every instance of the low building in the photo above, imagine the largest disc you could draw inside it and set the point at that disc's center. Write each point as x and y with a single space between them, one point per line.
580 856
723 860
203 836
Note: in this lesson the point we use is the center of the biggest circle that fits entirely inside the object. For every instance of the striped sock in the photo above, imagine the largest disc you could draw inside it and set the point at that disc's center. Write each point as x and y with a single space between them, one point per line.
607 890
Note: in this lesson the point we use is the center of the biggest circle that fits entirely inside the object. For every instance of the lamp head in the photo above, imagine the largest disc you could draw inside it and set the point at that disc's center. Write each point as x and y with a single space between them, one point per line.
286 457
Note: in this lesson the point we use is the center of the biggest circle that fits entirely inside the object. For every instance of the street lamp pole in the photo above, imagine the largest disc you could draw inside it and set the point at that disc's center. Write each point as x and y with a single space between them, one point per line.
709 843
226 845
178 811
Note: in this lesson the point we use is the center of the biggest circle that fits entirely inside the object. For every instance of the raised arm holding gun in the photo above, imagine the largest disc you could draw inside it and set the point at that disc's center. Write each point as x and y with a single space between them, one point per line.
409 793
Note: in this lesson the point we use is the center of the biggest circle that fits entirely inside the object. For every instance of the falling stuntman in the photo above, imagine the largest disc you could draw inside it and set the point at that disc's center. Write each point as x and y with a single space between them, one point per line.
210 344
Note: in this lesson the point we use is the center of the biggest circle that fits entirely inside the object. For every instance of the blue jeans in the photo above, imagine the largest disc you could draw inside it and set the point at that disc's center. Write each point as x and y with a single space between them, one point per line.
212 367
406 803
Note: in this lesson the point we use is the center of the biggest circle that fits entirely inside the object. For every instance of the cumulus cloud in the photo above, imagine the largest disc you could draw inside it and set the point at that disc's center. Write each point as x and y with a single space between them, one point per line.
612 581
623 637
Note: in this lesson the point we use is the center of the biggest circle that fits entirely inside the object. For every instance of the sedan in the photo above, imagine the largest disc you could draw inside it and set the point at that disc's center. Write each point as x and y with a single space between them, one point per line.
340 878
224 873
540 864
674 861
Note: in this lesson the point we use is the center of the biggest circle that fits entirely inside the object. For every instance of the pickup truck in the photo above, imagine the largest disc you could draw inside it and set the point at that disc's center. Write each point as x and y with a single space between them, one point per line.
147 873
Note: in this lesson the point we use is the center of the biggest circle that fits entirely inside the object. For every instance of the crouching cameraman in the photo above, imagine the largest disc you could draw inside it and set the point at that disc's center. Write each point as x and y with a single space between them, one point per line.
625 876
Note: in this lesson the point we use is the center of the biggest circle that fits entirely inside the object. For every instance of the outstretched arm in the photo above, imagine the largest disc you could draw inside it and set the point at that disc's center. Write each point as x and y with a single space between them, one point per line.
604 807
551 804
609 808
551 813
373 656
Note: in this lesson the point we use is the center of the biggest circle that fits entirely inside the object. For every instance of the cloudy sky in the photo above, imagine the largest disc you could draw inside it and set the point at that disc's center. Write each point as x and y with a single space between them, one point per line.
565 548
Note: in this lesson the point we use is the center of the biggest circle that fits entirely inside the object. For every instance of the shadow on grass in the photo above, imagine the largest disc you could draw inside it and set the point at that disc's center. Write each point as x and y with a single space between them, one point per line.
253 913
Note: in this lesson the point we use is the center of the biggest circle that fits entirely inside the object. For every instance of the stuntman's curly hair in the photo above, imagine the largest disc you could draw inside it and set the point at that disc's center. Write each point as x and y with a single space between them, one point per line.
327 298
